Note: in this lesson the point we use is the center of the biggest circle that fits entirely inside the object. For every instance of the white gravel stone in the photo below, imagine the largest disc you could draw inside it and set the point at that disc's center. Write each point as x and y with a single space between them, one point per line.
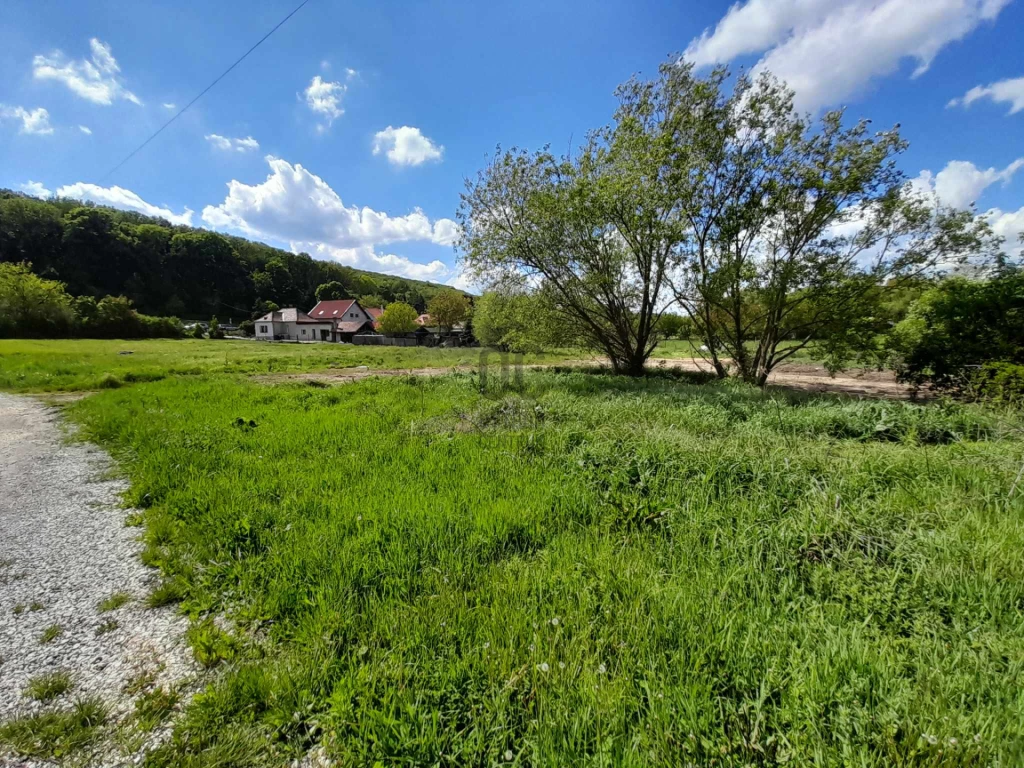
64 546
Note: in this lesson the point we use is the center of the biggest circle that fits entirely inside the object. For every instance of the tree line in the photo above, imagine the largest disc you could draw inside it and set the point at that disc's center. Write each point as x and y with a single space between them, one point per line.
168 270
762 230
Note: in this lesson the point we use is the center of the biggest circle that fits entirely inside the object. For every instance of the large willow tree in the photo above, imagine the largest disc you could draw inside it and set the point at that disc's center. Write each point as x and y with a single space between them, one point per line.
764 226
597 231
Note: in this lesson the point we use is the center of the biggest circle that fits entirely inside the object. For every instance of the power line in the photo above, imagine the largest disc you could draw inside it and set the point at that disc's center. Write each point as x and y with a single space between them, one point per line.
203 92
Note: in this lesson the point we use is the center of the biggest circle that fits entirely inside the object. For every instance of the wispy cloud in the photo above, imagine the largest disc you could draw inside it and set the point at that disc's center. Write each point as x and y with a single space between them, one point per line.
96 79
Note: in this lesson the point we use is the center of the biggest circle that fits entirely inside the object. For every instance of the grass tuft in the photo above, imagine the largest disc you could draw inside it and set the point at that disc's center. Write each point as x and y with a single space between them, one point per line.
114 602
106 626
49 686
168 592
56 735
51 633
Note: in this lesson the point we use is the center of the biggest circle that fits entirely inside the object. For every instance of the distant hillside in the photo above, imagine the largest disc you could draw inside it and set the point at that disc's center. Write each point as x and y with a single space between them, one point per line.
174 270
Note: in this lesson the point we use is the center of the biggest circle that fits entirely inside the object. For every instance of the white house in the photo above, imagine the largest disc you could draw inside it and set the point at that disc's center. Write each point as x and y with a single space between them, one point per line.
340 310
346 316
293 325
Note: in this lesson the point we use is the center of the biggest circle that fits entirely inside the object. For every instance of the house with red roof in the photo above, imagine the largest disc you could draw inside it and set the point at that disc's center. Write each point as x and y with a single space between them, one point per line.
346 317
292 324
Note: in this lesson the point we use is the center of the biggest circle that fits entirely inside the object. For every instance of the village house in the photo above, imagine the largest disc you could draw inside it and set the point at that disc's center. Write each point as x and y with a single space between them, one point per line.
292 325
347 318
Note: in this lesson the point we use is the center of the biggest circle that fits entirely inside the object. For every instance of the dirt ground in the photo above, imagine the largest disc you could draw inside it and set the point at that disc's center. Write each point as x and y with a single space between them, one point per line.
800 376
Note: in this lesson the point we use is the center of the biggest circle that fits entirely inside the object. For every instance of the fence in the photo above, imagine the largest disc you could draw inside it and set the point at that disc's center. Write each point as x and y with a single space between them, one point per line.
385 341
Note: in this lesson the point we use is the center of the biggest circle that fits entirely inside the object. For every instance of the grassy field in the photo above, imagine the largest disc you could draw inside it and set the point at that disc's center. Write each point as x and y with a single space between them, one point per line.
582 570
86 364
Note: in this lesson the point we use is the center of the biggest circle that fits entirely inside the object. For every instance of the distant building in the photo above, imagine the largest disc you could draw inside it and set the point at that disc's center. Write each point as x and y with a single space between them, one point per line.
292 325
347 318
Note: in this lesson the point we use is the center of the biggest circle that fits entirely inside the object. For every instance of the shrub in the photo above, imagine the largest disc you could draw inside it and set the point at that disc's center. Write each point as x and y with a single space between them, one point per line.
999 383
398 318
959 325
31 306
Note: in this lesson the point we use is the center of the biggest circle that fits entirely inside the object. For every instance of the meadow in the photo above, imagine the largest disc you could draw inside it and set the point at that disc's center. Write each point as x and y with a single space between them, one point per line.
579 569
87 364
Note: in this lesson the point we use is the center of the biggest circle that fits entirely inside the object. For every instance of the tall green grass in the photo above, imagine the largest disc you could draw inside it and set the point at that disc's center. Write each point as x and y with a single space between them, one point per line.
584 570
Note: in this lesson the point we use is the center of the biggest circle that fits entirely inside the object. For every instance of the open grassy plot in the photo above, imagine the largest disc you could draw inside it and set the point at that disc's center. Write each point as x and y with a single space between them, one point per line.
585 571
85 364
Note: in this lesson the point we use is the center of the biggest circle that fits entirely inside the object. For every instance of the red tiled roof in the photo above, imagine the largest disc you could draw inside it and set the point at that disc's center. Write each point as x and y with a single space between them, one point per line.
331 310
374 312
423 319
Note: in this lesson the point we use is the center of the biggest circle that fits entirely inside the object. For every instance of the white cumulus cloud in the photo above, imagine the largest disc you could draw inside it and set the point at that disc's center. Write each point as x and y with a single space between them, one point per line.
406 146
296 205
248 144
366 257
35 121
961 183
830 50
96 79
35 188
324 97
85 129
1010 226
119 197
1010 91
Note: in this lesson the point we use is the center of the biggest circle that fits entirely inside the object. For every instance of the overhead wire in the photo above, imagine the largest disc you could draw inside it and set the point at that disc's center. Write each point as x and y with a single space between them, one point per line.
203 92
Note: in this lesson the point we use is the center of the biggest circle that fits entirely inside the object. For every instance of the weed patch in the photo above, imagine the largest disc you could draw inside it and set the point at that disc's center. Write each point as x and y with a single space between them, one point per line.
56 735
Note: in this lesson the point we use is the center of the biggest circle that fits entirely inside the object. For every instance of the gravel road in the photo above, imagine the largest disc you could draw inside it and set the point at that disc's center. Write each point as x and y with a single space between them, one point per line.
64 548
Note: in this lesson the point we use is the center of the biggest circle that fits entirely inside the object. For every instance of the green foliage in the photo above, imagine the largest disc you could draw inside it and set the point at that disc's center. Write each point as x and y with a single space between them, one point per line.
165 270
210 644
398 318
214 331
999 383
56 735
672 326
330 291
371 300
31 306
153 707
50 634
957 326
49 686
448 308
168 592
519 322
583 568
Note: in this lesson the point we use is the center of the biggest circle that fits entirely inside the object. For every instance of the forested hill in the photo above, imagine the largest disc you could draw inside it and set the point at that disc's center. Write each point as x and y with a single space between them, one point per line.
173 270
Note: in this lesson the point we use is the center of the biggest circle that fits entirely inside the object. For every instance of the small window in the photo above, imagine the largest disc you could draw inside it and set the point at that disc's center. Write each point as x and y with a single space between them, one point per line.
263 329
303 331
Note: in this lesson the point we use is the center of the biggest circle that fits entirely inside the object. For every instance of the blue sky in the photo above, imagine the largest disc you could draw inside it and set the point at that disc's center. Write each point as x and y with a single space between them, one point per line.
369 116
